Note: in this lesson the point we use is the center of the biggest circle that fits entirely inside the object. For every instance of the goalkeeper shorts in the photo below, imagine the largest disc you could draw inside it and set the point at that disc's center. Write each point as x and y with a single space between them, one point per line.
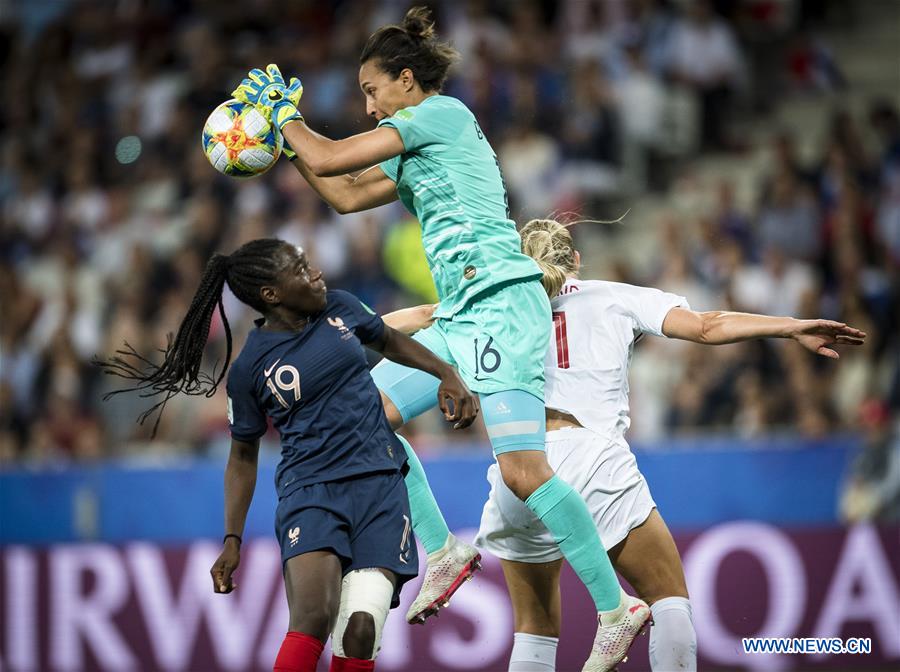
498 344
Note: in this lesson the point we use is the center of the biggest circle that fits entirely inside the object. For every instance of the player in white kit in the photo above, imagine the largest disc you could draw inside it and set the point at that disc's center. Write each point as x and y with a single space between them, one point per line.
596 324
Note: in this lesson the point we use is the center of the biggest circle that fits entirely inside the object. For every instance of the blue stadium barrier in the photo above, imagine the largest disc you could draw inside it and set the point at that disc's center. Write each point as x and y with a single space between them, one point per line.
696 483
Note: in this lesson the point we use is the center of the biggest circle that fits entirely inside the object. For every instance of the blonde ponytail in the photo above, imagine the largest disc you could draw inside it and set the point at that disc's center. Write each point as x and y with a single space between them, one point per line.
550 244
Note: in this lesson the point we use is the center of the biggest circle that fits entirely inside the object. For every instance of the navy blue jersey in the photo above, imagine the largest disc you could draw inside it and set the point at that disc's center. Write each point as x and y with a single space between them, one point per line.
316 388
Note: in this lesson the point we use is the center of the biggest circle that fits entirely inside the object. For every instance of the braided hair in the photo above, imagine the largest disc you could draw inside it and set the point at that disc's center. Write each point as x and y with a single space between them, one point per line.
247 270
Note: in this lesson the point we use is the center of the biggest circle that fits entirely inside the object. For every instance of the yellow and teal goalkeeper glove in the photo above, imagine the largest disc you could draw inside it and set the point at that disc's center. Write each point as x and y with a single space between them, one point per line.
294 92
268 92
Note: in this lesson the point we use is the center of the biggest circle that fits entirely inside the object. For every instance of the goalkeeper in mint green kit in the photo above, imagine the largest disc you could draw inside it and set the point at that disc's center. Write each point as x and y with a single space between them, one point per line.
493 320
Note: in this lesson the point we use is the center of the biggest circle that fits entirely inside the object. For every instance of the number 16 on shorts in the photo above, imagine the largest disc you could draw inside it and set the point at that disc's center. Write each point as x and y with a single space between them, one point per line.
487 358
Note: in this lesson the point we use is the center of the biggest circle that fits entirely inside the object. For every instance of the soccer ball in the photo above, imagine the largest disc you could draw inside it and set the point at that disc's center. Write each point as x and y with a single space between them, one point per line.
239 141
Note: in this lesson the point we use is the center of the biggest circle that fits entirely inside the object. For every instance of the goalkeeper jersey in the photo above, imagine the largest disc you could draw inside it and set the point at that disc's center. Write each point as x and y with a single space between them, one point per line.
449 177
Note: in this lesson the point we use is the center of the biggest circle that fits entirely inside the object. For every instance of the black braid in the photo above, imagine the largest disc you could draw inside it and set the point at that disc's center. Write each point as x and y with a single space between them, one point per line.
246 271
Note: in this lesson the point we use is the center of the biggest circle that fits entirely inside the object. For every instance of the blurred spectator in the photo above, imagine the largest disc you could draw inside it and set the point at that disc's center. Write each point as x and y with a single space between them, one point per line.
591 125
473 29
872 490
530 163
704 55
765 27
731 222
789 220
783 158
777 286
655 21
888 218
587 26
886 123
812 65
641 101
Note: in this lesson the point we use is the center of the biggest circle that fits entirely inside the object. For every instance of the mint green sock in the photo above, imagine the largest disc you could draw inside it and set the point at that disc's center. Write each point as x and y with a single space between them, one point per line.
566 515
428 521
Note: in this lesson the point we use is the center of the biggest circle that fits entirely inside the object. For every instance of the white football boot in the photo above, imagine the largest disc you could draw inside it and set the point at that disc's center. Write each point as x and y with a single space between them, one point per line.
615 637
448 568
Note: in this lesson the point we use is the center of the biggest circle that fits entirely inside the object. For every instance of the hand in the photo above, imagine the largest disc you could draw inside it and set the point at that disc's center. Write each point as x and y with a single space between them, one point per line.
465 405
268 91
426 314
224 567
816 335
411 320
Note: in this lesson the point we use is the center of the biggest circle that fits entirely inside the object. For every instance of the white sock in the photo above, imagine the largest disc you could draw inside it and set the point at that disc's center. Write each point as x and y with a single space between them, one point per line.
533 653
673 642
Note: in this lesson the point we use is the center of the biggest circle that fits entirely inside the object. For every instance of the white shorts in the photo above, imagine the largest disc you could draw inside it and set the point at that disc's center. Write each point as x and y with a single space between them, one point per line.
601 469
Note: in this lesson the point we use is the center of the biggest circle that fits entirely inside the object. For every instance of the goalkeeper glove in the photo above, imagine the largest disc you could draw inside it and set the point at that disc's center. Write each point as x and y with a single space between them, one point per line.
268 92
294 91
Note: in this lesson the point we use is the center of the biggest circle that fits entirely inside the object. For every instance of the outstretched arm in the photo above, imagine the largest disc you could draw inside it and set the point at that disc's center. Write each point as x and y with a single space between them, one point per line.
240 482
719 328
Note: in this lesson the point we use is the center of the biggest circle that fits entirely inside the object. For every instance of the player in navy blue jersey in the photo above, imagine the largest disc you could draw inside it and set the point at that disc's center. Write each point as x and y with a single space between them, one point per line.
343 519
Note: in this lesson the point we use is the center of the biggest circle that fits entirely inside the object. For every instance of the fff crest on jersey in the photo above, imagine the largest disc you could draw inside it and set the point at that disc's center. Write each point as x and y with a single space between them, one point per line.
338 323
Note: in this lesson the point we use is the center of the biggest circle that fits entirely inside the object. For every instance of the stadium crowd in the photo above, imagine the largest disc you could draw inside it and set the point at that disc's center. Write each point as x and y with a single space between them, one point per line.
110 210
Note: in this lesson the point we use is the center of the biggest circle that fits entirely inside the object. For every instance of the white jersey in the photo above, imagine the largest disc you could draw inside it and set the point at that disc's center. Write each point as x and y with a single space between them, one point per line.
595 326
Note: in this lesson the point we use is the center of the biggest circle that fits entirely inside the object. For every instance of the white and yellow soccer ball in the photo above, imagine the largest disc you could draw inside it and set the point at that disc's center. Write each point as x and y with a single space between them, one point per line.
239 141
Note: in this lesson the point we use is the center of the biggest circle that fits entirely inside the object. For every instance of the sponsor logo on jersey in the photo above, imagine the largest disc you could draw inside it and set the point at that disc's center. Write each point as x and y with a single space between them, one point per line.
294 536
268 371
